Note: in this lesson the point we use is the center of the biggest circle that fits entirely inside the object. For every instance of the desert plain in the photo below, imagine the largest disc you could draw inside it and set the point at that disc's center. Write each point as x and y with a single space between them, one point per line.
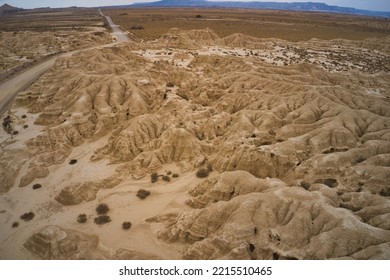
210 134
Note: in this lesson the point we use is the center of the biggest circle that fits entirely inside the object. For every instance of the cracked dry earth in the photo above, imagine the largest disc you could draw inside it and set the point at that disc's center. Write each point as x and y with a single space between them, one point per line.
297 136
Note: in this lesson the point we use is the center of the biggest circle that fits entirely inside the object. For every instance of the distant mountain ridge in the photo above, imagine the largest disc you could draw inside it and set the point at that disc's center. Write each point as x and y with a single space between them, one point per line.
295 6
8 9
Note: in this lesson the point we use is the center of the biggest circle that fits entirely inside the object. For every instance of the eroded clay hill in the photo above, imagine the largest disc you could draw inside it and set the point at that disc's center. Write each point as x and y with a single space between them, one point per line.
18 49
297 135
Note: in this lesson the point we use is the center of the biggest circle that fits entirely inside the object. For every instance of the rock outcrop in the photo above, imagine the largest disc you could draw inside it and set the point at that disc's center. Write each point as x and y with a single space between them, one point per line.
56 243
269 220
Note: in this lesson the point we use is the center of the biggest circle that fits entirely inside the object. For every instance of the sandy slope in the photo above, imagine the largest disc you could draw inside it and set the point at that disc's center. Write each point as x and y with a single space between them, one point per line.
297 135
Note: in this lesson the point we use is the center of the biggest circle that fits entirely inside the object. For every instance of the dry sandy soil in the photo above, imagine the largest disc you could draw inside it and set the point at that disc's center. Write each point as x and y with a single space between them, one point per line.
28 37
150 23
294 138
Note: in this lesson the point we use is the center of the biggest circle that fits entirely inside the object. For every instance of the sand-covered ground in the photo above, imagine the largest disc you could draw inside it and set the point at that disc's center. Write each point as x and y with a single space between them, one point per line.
293 137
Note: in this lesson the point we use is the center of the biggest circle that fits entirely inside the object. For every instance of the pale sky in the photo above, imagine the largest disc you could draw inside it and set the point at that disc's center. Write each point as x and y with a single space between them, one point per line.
377 5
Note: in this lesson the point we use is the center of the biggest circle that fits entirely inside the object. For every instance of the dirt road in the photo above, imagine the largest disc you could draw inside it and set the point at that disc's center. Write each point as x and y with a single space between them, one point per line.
116 31
10 88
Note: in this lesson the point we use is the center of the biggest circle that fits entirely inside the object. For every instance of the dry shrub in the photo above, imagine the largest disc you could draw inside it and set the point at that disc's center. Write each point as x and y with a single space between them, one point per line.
27 216
82 218
102 209
126 225
154 177
305 185
136 27
36 186
142 194
102 219
331 183
202 173
385 192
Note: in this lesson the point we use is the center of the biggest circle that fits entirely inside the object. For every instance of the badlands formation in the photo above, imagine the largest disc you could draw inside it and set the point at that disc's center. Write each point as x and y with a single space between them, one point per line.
30 36
18 49
294 137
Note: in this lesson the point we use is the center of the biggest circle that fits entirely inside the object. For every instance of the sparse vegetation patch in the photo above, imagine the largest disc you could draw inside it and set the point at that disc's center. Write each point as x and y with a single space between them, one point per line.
202 173
7 121
142 193
330 182
102 209
305 185
36 186
82 218
27 216
102 219
263 23
126 225
136 27
154 177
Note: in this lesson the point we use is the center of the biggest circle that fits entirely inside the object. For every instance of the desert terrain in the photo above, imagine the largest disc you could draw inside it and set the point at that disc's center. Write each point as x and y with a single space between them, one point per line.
198 144
151 23
34 35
